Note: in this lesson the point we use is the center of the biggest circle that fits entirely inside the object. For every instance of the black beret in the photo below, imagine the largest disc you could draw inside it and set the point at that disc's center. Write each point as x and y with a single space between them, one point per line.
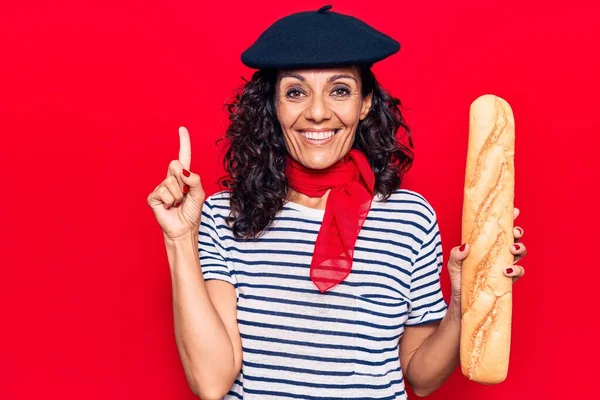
319 38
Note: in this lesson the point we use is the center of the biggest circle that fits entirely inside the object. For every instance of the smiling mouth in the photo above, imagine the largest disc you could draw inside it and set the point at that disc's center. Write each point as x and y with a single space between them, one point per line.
318 136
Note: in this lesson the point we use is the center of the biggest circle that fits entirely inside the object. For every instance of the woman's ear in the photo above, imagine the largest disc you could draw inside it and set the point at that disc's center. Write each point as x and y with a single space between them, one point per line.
366 106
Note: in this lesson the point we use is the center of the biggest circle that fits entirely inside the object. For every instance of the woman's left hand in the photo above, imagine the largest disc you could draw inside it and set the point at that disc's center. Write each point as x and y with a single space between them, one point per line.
514 271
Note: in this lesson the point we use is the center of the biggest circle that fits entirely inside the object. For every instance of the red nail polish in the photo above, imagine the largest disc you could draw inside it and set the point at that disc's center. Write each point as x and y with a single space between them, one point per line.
177 204
462 248
186 173
186 188
509 270
517 247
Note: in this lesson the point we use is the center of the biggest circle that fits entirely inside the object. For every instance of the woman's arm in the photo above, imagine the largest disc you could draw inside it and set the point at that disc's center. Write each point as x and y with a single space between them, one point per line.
205 323
429 353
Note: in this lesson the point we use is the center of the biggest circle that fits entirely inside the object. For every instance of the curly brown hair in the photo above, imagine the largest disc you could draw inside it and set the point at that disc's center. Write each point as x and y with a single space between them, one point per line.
256 151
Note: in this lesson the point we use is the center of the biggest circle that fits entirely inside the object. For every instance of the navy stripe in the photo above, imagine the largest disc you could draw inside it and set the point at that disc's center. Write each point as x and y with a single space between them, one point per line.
211 243
426 255
276 250
435 237
397 221
403 210
416 195
306 397
316 331
428 321
219 260
268 241
307 278
314 232
295 369
311 371
319 345
325 306
429 305
428 265
306 266
393 232
318 358
380 251
316 318
426 295
431 272
311 291
432 283
324 386
317 224
232 393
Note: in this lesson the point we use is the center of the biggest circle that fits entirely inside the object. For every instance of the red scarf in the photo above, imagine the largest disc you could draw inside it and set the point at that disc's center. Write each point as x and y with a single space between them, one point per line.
352 183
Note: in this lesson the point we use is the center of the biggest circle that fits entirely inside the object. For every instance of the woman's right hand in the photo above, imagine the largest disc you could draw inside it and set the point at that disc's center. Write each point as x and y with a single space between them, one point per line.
177 201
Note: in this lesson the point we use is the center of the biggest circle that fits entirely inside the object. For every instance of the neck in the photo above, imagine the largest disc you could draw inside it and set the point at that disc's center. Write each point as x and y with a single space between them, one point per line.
304 200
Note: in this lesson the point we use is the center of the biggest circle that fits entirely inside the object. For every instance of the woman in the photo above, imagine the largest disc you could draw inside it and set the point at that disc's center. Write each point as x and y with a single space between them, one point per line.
313 275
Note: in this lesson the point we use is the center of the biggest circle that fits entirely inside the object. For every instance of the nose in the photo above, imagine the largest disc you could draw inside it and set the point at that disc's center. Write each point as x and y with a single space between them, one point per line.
317 109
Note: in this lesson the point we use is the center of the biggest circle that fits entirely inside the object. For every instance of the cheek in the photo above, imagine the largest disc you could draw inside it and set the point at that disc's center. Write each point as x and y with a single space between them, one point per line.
348 112
287 114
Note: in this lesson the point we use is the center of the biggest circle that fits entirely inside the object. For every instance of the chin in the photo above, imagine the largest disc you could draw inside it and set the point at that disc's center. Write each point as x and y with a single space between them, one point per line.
319 157
318 161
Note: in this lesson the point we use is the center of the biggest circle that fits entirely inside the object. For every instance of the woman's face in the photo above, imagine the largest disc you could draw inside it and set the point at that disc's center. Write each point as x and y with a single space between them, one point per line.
319 110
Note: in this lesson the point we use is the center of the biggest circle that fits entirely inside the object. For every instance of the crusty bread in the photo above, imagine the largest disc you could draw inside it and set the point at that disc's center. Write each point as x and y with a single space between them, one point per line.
487 225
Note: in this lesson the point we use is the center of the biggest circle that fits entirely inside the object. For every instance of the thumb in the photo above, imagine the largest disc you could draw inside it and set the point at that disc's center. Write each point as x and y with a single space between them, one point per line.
458 254
195 190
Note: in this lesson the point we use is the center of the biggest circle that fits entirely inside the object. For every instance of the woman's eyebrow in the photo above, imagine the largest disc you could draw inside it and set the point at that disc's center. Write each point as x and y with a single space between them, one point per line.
339 76
292 75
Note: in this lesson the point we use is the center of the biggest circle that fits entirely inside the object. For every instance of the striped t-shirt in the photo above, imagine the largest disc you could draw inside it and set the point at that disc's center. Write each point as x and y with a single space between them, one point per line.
300 343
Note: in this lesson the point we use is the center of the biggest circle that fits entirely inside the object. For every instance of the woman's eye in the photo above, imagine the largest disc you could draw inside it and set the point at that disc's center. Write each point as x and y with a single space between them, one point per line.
341 91
293 93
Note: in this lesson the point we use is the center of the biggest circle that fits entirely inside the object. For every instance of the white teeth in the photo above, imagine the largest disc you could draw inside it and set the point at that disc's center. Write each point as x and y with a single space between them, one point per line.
317 135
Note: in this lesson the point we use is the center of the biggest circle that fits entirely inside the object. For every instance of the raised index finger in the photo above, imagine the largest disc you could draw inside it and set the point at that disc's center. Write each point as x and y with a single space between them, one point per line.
185 149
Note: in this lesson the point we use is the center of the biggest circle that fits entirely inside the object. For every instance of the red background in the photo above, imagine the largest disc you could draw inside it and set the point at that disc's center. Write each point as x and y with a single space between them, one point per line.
91 98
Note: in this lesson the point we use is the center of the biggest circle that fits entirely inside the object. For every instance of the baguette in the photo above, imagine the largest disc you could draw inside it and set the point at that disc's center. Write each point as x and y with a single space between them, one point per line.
487 225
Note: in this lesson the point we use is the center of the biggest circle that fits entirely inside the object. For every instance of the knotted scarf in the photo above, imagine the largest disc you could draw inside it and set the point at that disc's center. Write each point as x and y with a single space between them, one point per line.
352 183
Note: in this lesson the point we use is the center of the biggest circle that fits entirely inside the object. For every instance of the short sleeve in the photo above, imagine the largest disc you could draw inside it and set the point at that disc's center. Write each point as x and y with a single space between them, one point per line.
211 251
426 299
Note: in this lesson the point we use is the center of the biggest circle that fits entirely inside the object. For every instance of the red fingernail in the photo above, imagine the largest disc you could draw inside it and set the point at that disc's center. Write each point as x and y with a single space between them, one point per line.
509 270
186 173
186 188
462 248
177 204
517 247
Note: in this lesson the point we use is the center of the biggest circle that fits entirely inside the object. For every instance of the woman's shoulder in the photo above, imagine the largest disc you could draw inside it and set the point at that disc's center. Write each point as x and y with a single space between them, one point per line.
218 202
405 200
